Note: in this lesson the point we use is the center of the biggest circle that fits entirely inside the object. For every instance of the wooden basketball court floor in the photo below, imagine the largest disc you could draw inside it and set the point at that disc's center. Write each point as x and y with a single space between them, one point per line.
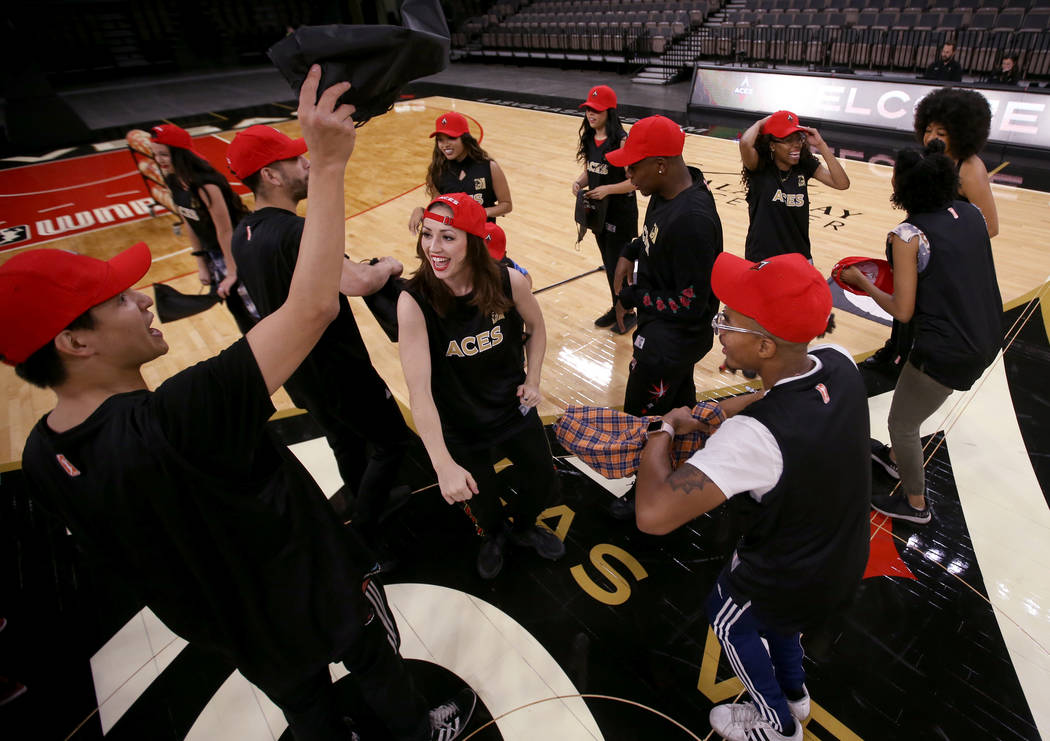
583 365
1005 511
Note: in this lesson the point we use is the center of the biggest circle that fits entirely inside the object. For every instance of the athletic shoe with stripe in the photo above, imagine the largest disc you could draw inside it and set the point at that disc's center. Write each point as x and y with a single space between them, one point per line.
880 454
448 721
741 722
897 507
800 707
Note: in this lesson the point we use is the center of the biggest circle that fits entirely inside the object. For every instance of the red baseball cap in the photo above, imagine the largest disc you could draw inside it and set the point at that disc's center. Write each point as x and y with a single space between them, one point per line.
42 291
877 271
785 294
782 124
173 136
655 136
258 146
495 240
451 124
467 214
601 98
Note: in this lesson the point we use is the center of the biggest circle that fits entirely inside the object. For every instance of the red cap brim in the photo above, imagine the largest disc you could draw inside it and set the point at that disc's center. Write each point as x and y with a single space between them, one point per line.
883 273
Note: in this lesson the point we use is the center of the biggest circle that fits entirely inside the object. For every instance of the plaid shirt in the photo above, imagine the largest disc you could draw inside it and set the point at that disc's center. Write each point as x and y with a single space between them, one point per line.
611 442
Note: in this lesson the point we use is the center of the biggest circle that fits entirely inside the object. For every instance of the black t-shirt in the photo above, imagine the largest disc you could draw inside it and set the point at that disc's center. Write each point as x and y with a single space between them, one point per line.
676 252
477 362
940 70
266 246
622 213
778 209
220 530
472 177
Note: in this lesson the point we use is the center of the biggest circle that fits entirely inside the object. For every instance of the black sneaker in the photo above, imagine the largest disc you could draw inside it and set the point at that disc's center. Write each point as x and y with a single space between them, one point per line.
448 721
881 454
540 539
897 508
490 555
607 319
629 323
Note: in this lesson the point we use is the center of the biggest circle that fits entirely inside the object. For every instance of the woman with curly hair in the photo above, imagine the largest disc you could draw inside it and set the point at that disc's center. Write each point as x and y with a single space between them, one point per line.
943 284
460 165
600 133
961 119
472 341
778 163
211 209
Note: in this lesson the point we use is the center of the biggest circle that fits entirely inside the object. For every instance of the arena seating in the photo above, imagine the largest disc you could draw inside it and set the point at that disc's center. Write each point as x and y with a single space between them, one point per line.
878 35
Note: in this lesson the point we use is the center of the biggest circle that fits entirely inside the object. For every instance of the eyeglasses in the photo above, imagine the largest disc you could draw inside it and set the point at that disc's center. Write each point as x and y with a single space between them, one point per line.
720 323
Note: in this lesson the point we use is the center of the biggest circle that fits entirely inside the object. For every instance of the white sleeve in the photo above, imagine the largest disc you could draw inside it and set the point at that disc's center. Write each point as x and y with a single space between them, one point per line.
742 455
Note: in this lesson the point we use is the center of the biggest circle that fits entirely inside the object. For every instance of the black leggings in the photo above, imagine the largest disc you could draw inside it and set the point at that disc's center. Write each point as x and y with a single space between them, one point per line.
530 453
610 245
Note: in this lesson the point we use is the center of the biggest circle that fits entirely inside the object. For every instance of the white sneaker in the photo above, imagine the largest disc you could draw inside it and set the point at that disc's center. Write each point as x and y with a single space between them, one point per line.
800 708
741 722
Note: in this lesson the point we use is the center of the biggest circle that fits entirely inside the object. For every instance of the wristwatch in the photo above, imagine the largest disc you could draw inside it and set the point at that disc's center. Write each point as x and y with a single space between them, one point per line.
658 425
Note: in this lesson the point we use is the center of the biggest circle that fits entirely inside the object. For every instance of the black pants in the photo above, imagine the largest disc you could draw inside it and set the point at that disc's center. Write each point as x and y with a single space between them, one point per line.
530 453
381 675
610 245
656 391
364 415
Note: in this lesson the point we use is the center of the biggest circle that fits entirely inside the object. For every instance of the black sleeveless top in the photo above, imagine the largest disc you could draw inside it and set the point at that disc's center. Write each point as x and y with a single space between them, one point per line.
623 207
477 362
471 177
195 213
803 555
958 308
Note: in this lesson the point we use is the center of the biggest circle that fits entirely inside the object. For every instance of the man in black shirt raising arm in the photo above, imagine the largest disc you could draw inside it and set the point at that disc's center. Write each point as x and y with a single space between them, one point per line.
180 490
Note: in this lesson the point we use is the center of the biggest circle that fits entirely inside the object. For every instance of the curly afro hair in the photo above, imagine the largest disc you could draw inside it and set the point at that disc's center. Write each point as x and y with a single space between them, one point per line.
964 113
923 181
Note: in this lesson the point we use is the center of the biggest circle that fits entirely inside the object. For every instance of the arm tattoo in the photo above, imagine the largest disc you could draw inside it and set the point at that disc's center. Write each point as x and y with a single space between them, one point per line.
687 480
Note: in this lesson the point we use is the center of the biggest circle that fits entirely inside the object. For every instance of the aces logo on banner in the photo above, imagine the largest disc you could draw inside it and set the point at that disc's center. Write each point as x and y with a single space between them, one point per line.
10 235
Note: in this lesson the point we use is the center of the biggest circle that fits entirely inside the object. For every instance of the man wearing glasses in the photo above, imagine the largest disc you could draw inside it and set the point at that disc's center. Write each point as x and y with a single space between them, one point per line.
799 456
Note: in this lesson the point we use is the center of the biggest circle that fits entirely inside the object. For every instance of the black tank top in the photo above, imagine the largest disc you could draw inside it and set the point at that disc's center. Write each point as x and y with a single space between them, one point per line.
958 308
623 207
195 213
477 362
471 177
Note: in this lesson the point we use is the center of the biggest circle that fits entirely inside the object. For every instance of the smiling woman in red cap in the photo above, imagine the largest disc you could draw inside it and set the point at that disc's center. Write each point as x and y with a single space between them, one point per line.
472 341
206 202
460 165
798 456
600 133
778 163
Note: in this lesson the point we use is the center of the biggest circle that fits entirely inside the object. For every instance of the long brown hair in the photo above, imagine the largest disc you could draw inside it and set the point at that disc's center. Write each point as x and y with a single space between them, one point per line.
440 164
486 279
